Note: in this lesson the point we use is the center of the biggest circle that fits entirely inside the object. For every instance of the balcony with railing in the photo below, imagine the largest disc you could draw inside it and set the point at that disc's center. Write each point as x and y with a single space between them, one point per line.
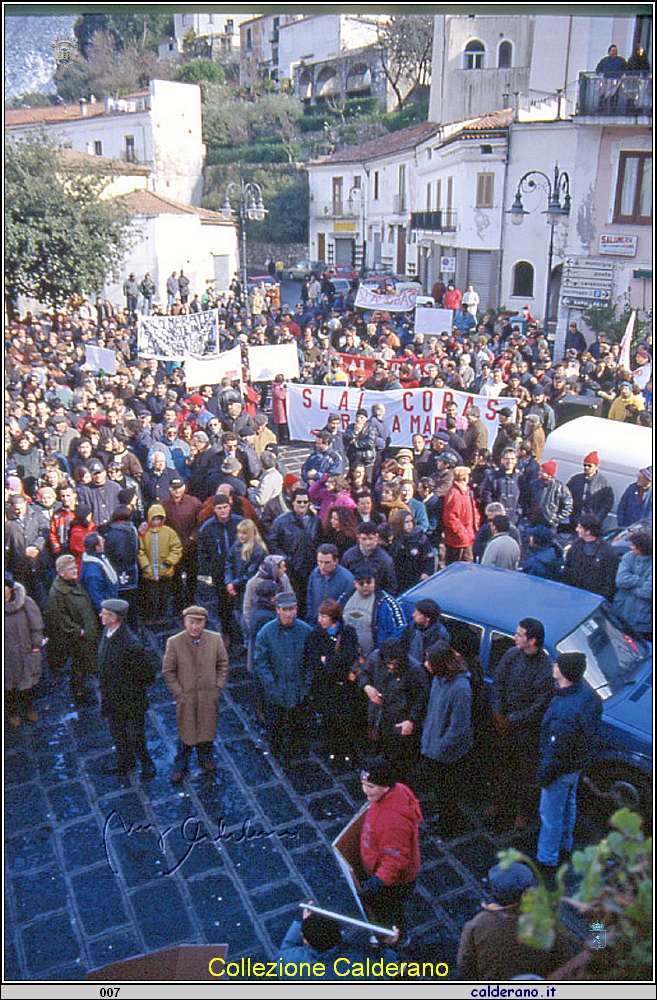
434 222
629 95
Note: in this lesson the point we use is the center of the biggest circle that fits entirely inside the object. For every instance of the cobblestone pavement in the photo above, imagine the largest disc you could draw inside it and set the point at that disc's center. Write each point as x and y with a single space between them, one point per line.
98 870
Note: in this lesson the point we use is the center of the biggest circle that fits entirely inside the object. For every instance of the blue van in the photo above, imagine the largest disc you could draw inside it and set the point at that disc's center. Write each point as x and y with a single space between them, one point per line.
481 607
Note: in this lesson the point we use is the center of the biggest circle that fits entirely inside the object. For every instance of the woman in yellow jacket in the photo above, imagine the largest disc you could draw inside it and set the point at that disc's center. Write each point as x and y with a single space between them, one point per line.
160 550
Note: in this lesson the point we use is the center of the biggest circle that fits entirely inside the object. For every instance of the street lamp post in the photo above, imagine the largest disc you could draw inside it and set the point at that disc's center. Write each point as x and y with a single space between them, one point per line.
350 202
558 210
251 206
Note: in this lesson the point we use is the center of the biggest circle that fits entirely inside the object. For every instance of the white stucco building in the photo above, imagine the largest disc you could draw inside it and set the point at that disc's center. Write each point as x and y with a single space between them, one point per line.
170 236
221 30
159 128
480 62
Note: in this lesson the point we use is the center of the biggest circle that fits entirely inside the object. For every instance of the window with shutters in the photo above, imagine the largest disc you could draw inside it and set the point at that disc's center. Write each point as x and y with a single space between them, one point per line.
485 190
634 189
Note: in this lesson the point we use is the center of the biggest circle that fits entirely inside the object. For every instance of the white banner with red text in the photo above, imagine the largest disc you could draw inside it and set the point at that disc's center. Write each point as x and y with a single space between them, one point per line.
408 411
369 298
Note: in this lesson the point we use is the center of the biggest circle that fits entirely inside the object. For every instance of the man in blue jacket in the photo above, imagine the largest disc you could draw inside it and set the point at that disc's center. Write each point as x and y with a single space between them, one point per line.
284 674
327 581
568 743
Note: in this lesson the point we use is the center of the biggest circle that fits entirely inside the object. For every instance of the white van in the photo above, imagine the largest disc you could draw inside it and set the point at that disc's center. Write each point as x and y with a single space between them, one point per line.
623 450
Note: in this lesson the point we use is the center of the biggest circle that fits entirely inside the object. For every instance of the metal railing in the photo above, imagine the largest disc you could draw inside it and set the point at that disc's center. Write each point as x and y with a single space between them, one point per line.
629 94
434 222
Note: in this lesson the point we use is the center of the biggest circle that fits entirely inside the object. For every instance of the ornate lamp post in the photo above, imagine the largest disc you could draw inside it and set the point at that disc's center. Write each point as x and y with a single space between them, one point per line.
359 192
558 210
251 206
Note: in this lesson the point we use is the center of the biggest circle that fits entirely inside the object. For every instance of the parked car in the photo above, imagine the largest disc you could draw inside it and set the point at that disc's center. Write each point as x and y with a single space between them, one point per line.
342 286
260 279
342 271
305 269
482 605
380 282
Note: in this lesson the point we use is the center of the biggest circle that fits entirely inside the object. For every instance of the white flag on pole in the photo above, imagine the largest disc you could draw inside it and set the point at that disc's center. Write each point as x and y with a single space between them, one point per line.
625 357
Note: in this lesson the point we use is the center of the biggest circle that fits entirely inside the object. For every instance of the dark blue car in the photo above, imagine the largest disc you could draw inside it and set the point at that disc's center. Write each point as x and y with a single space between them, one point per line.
482 606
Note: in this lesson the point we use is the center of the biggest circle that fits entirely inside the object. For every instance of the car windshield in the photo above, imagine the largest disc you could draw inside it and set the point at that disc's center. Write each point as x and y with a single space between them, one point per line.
613 653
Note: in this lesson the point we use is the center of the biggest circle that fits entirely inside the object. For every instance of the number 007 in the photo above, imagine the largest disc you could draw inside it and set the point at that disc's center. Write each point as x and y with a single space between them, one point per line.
110 991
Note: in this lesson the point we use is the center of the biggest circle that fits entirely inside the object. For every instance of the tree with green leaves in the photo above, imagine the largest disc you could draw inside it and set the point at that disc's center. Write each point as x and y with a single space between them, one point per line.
613 895
61 236
200 71
142 30
404 44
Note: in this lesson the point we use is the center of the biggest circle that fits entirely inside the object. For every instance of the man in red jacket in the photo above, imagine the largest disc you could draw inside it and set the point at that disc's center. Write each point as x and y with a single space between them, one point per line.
460 518
389 844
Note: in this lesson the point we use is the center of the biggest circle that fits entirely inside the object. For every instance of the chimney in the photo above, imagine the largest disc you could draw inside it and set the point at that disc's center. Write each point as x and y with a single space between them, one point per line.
83 107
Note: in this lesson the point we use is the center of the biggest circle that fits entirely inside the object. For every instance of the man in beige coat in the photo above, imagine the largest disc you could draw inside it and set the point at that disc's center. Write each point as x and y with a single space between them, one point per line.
195 669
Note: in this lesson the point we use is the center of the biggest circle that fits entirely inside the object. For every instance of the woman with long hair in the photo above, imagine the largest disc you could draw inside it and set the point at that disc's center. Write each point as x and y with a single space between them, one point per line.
390 472
332 490
332 650
358 478
340 529
411 551
446 736
245 556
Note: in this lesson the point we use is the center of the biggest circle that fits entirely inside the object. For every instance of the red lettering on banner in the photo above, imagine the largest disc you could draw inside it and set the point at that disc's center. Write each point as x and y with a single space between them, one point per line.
427 426
447 398
306 396
359 404
405 399
427 400
396 426
415 425
344 401
491 410
468 403
344 418
436 423
322 404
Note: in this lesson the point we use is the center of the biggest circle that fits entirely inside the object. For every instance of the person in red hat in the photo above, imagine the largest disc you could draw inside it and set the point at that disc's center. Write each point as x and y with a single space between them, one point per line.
591 492
551 502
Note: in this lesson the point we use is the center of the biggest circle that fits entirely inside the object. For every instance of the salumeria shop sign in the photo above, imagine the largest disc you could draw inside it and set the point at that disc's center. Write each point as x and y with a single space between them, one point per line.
617 245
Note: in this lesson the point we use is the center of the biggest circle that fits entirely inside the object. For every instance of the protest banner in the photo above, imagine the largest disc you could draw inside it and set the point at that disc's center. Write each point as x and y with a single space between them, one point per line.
265 363
434 321
408 411
369 298
170 338
210 370
100 359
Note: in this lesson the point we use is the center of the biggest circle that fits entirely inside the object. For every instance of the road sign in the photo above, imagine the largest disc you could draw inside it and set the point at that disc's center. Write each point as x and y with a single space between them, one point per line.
448 264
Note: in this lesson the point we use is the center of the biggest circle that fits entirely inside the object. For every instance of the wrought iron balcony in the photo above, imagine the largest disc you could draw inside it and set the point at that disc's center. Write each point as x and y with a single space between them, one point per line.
434 222
621 96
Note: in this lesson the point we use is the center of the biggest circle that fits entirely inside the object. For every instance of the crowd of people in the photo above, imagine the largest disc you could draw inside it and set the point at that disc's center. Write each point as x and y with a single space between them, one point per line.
134 498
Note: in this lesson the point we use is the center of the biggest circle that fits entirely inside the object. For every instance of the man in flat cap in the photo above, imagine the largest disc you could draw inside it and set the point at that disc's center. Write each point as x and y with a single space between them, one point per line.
126 668
195 669
284 673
